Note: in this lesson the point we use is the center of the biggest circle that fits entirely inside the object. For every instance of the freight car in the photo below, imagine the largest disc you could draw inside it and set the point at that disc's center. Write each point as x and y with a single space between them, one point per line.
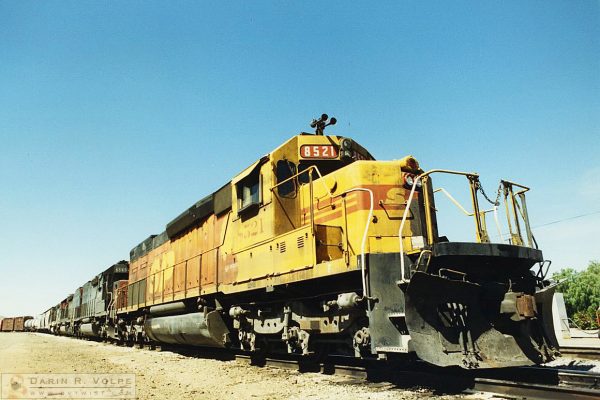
8 324
16 324
38 323
319 248
19 325
31 325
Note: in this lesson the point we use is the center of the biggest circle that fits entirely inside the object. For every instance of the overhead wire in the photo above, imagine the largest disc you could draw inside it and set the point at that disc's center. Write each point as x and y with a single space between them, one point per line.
567 219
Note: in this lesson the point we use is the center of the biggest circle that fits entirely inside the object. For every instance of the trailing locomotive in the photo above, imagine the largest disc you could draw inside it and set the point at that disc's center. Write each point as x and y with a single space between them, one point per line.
90 311
317 248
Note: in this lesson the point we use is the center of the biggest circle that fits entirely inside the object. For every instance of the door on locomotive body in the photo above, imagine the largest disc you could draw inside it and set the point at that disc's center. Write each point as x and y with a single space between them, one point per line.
61 312
295 241
298 158
69 314
78 303
104 288
95 299
54 317
107 301
85 299
46 318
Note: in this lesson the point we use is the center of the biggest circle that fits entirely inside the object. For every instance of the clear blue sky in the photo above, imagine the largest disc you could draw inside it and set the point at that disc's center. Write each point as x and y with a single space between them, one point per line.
114 117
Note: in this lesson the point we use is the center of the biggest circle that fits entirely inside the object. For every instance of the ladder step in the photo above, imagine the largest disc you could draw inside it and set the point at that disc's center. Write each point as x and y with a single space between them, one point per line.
396 315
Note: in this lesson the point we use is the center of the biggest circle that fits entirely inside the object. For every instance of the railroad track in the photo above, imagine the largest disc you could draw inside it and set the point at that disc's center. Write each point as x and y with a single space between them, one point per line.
519 383
540 383
588 353
521 390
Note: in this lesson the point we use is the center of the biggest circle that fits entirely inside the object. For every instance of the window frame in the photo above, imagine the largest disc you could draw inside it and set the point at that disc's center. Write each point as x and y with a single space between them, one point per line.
249 181
290 170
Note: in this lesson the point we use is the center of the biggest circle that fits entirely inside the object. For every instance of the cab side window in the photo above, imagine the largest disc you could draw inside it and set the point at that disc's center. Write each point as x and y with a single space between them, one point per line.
248 192
284 170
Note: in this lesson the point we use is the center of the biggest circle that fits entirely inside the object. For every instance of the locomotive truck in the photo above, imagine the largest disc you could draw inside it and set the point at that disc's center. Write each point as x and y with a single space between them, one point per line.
318 248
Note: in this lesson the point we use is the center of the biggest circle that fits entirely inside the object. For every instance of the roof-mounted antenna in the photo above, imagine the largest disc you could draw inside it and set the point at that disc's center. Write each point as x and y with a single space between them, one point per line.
320 124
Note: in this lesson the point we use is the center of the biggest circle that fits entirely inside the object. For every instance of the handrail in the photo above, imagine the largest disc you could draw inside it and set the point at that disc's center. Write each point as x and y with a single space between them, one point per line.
458 205
363 244
522 209
331 195
407 208
471 214
304 171
481 230
525 188
449 171
517 209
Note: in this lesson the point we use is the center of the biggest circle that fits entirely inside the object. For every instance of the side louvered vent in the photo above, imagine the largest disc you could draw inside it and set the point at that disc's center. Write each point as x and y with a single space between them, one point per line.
300 242
282 247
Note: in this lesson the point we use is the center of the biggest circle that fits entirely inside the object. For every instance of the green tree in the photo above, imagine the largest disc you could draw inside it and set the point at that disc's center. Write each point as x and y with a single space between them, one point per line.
582 294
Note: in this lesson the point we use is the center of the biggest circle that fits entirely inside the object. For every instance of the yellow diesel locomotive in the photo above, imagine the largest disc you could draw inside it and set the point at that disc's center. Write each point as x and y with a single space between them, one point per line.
319 248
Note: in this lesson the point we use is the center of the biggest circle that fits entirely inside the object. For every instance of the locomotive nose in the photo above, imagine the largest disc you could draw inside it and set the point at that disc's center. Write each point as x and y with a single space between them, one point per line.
457 322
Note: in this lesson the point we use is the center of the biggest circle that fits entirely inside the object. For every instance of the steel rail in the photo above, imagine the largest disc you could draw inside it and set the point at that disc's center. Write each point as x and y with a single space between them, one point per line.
518 382
521 382
534 391
527 382
588 353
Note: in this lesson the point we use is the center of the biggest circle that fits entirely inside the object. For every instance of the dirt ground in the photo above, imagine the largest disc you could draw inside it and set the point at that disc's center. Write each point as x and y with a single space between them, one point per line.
168 375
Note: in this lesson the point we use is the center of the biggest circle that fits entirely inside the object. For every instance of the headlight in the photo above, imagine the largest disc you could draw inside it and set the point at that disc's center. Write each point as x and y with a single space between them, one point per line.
346 144
410 179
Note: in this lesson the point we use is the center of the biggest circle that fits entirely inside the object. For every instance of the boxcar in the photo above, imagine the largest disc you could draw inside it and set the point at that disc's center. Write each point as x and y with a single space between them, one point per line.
8 324
19 323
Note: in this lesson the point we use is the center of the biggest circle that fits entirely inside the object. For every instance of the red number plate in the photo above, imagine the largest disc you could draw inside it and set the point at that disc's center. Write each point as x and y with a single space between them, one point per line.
318 151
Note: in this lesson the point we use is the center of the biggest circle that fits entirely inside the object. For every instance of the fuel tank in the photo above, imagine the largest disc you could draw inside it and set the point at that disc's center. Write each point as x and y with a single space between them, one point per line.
89 330
197 329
